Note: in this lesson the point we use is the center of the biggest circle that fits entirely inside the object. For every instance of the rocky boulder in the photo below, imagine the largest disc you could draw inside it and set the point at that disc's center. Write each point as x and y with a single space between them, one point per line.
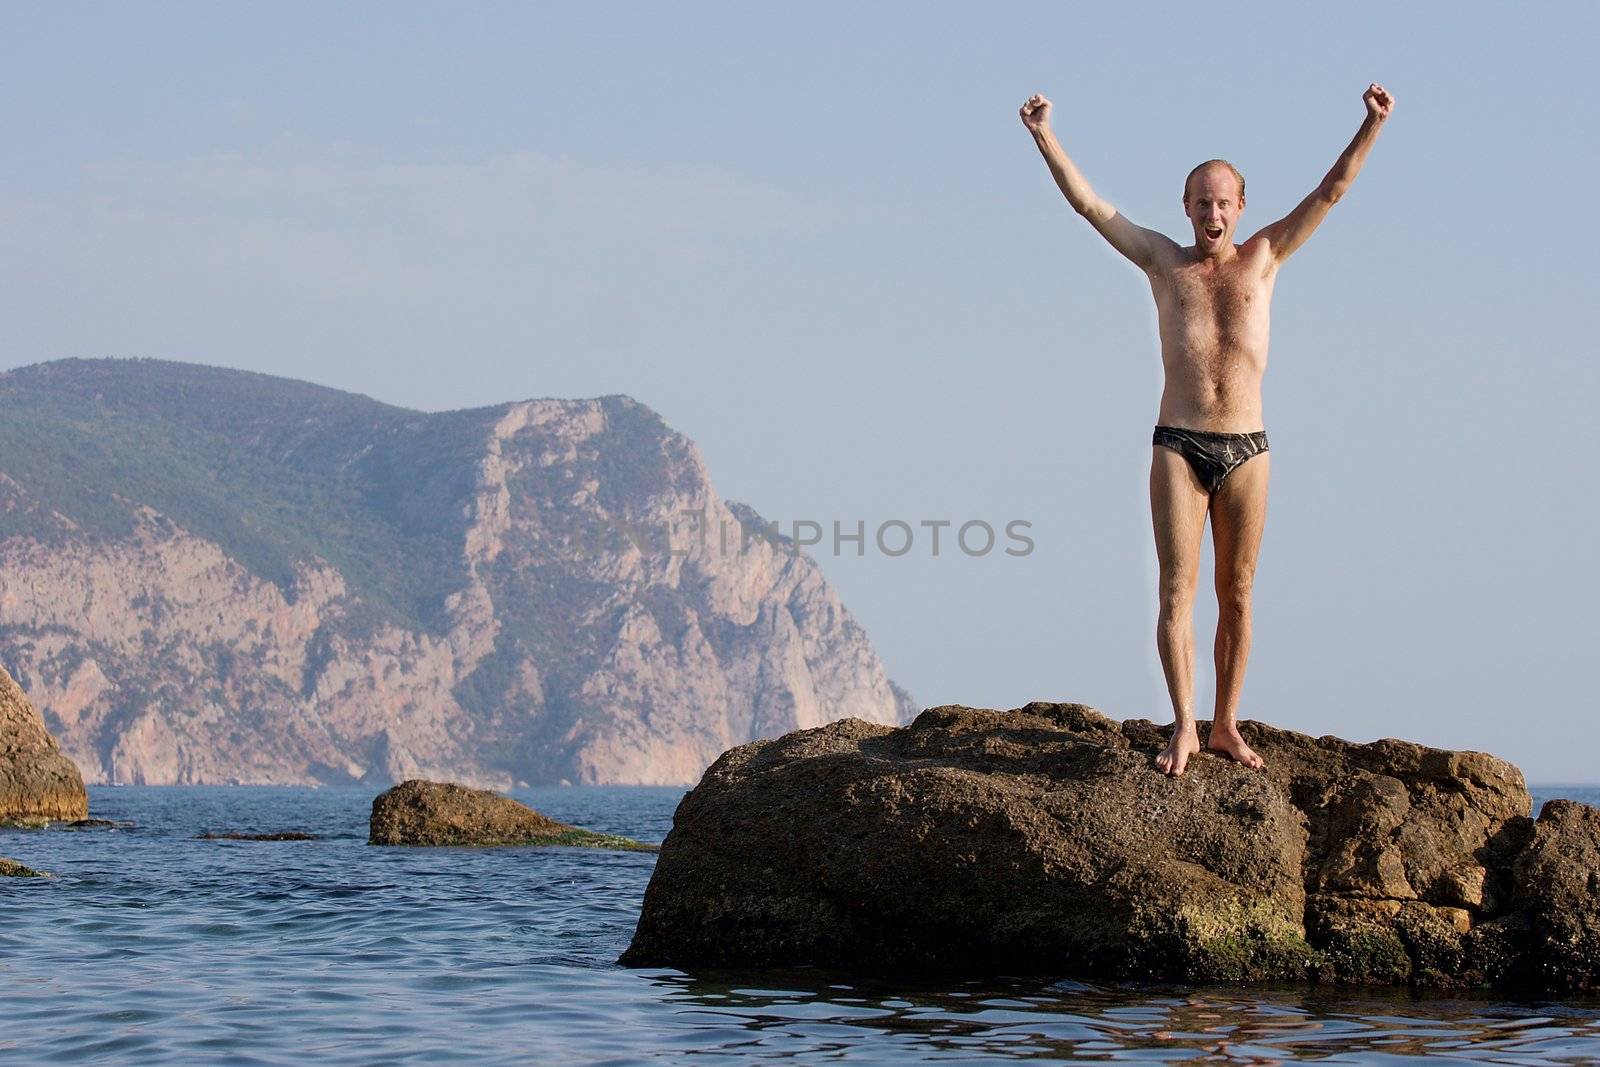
1043 840
37 783
440 813
1554 919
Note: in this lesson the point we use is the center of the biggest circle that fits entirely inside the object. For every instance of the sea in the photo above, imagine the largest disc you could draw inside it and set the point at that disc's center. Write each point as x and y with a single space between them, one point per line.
152 945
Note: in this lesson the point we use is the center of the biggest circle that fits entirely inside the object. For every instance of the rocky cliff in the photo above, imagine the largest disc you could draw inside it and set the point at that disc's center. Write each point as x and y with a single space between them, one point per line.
210 576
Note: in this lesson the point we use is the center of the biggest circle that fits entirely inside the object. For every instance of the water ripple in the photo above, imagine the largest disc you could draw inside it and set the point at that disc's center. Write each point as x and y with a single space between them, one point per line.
152 947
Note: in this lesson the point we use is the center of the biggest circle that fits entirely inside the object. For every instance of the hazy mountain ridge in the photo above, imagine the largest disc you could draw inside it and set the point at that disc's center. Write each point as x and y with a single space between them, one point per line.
210 575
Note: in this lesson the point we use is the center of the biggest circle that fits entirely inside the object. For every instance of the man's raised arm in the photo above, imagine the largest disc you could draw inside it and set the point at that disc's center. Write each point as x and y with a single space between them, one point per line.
1135 242
1291 231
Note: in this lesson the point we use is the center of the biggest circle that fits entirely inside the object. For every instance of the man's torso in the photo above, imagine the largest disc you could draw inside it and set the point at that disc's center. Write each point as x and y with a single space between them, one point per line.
1215 320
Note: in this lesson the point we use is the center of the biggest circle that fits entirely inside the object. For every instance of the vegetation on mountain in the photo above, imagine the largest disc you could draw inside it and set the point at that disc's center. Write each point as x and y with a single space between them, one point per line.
217 575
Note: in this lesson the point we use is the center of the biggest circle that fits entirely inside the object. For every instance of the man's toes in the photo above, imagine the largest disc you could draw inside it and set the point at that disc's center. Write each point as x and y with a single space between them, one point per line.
1248 757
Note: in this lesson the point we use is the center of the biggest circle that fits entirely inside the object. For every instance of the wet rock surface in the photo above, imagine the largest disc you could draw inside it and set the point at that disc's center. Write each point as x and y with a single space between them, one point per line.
1554 918
13 869
1043 840
37 783
439 813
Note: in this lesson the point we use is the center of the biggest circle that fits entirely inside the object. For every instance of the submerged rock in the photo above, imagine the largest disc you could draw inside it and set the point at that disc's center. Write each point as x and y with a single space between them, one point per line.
276 835
13 869
438 813
1043 840
37 783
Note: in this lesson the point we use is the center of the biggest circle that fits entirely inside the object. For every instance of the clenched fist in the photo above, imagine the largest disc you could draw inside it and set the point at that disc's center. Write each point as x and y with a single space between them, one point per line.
1036 112
1379 102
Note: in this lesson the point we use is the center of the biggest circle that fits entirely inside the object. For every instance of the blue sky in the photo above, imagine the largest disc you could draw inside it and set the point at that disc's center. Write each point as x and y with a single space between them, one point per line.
818 241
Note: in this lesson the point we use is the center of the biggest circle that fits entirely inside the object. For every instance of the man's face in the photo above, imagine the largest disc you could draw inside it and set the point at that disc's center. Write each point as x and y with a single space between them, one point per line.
1213 206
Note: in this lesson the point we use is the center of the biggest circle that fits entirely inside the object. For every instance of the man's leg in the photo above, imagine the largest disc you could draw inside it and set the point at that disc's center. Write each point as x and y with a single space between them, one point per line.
1178 508
1238 515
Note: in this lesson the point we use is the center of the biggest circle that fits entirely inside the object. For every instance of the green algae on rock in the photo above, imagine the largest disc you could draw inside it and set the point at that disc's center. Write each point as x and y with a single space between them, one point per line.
439 813
13 869
1042 840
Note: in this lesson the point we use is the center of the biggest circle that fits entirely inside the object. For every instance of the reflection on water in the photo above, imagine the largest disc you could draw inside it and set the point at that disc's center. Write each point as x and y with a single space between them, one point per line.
150 946
1078 1022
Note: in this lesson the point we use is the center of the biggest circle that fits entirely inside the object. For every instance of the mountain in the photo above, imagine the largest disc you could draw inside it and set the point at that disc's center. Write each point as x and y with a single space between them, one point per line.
215 576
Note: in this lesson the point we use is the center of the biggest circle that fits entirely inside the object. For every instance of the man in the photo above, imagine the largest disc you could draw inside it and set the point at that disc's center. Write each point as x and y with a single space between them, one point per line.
1213 300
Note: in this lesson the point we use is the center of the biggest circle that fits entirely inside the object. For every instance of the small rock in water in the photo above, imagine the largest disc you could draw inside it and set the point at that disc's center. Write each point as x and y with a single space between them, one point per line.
13 869
439 813
38 785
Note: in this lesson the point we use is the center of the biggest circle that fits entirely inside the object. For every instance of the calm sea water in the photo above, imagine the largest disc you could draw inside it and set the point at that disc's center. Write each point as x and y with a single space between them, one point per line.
150 946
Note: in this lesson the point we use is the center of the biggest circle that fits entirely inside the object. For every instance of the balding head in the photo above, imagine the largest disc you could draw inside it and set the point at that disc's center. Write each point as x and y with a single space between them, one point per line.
1209 164
1213 197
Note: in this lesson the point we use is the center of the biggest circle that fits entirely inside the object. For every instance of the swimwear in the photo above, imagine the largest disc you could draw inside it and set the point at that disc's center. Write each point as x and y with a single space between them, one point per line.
1212 456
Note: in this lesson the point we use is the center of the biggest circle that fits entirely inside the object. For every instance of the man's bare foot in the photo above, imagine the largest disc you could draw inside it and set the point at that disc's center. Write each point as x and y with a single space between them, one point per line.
1226 741
1175 760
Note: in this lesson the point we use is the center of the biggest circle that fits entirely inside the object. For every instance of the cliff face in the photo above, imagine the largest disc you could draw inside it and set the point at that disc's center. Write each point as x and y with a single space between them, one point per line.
208 576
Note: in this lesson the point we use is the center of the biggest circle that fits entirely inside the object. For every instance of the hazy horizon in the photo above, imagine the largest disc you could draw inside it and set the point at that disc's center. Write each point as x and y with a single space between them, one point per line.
819 243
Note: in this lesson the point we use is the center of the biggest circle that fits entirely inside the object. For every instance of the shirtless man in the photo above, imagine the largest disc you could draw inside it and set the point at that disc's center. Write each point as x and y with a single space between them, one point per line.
1213 300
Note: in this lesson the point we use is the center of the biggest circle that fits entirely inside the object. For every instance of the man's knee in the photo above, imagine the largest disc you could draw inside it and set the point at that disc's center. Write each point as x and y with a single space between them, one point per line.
1176 597
1233 594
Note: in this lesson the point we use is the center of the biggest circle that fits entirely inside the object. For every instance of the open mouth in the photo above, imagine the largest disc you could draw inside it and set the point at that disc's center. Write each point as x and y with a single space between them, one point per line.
1213 232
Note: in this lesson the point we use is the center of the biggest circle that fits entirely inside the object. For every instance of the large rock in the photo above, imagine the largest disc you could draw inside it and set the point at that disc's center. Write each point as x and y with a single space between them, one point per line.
37 783
1043 840
440 813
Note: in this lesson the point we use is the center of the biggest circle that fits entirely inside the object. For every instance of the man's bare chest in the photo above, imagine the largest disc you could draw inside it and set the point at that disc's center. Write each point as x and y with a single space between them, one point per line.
1226 298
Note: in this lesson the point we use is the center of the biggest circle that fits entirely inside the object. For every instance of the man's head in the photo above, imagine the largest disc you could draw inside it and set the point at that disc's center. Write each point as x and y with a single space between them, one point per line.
1213 197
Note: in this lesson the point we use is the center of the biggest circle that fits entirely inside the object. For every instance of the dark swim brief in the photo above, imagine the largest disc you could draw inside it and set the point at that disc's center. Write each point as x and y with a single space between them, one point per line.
1212 456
